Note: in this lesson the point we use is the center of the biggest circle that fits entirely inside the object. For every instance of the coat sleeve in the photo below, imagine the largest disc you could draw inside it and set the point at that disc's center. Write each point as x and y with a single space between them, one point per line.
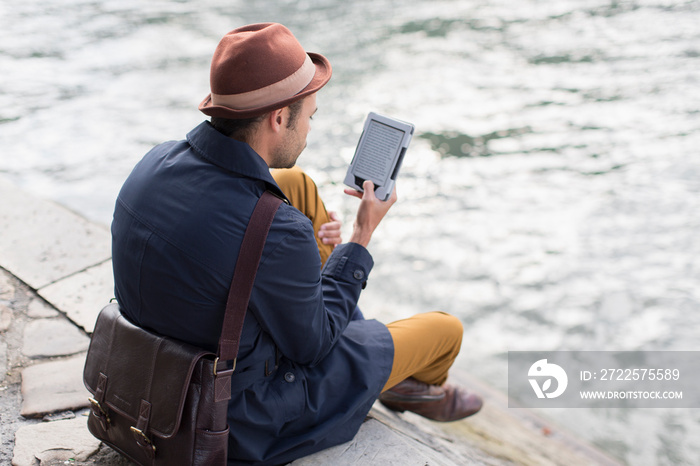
304 310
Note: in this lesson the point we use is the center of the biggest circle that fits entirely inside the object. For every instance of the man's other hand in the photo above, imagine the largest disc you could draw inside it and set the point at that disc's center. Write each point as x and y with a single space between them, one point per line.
330 232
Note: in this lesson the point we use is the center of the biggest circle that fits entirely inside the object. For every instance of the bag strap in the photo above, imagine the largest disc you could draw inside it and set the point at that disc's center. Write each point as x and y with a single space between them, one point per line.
244 274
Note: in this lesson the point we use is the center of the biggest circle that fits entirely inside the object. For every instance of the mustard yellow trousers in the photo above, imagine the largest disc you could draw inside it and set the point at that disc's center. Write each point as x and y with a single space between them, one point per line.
425 345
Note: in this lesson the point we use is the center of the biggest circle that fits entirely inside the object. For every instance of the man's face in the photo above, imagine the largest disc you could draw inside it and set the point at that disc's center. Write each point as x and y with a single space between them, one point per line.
287 152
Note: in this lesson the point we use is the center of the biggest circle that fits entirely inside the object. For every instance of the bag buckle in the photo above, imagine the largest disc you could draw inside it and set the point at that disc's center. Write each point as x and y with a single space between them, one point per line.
143 440
100 412
216 363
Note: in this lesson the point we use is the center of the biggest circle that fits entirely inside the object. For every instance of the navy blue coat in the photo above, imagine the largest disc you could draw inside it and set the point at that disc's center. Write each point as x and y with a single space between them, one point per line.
178 225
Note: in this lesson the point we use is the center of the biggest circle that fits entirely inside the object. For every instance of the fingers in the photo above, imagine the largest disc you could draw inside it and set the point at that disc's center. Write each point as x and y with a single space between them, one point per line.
330 233
353 192
368 187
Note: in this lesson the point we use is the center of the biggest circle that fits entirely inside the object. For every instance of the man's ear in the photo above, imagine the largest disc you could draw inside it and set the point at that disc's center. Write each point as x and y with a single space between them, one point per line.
276 119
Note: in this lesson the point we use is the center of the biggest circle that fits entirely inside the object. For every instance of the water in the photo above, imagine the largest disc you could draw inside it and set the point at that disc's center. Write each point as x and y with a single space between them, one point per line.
550 197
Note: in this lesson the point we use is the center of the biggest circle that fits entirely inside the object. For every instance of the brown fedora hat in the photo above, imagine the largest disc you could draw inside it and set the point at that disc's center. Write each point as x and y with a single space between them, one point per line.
259 68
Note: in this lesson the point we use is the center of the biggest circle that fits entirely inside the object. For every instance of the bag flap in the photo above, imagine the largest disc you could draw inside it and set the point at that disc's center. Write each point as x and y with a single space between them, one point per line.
140 365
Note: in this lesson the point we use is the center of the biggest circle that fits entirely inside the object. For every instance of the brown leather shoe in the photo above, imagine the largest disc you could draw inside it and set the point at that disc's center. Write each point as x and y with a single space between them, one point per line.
457 404
413 391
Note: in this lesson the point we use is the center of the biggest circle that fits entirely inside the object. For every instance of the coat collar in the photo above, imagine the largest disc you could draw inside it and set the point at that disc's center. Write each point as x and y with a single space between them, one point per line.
230 154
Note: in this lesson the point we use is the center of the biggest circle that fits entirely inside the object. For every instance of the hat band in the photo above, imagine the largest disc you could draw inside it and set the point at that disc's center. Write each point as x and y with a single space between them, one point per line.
276 92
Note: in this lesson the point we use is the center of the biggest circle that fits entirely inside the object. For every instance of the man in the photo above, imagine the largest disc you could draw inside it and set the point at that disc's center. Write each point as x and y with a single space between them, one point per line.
309 366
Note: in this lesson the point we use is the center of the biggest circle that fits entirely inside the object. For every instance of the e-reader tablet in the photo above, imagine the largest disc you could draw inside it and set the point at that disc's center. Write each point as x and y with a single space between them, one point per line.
379 154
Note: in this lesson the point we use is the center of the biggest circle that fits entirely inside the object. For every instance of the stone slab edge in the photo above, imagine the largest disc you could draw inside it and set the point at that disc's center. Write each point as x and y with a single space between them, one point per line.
42 242
82 296
54 386
59 442
521 433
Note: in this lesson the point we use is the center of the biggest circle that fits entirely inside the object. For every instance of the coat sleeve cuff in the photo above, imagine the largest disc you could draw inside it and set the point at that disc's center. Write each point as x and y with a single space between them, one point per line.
349 262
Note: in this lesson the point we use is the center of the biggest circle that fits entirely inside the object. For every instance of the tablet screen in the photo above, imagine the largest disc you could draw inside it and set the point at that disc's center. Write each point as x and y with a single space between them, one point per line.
378 150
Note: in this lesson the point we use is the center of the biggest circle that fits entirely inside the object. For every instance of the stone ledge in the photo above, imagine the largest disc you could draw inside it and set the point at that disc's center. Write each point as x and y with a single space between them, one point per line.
497 435
391 439
66 259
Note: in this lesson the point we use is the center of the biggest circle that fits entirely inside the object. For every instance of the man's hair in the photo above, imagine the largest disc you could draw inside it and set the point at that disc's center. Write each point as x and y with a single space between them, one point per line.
242 129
